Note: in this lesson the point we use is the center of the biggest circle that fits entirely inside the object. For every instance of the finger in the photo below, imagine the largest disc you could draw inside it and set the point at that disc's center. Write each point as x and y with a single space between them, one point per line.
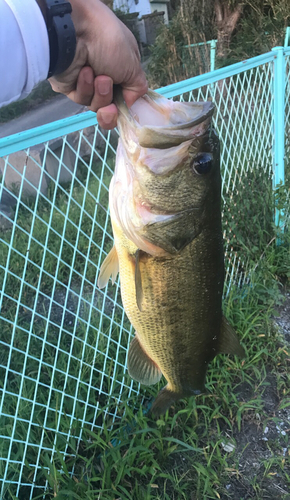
107 117
85 87
132 92
103 92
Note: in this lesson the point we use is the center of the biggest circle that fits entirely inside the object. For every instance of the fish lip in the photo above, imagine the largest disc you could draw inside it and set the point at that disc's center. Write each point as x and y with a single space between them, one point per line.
207 112
160 136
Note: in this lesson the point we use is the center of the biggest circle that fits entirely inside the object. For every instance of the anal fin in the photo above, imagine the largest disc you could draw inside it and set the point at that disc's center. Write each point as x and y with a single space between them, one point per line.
164 400
140 367
110 267
229 342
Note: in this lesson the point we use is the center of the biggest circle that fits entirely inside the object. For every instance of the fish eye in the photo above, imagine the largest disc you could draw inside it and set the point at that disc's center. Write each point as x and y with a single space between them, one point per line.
202 163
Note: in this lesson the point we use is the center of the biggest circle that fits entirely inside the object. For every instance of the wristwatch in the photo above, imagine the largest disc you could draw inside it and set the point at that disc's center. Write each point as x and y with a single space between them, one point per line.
61 35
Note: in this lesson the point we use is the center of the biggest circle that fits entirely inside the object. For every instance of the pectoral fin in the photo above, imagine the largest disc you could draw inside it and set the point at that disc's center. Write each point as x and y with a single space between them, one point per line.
229 342
140 367
138 282
110 267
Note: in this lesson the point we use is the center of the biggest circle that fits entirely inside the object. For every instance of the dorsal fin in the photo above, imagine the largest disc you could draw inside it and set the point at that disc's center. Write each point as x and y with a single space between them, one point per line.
110 267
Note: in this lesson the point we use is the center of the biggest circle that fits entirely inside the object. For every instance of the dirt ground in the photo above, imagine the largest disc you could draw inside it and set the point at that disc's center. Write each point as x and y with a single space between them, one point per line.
283 321
264 438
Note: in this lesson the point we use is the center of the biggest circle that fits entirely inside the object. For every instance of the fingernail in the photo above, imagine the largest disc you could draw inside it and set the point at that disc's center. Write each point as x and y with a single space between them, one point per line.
108 118
104 87
89 77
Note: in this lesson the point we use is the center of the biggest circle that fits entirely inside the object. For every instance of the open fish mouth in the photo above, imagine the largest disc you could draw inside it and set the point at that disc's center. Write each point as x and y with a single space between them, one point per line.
159 123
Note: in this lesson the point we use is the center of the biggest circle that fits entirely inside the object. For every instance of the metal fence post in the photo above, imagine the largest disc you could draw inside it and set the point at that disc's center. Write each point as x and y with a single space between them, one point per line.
212 54
287 37
279 123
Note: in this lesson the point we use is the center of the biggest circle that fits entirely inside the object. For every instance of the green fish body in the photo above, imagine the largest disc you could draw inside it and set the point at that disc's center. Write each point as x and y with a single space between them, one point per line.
165 203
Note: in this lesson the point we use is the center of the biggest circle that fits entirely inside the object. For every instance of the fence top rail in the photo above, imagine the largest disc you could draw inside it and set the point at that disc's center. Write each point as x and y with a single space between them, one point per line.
53 130
44 133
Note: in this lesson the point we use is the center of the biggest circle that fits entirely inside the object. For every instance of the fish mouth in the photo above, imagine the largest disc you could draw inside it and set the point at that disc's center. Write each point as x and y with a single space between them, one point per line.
158 123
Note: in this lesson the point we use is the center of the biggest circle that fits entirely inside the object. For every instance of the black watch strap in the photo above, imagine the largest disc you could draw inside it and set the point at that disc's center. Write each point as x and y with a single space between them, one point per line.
61 35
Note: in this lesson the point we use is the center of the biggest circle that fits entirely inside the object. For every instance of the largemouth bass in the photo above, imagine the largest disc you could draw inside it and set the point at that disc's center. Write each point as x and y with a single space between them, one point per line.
165 204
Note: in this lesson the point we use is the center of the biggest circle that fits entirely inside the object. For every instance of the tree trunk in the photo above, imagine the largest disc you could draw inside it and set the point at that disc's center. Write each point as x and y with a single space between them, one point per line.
227 18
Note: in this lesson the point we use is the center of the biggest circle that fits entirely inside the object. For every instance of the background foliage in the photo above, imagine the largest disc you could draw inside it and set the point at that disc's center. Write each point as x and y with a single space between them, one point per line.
243 29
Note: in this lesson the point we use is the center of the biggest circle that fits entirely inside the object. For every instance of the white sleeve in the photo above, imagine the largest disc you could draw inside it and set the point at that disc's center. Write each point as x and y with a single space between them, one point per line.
24 49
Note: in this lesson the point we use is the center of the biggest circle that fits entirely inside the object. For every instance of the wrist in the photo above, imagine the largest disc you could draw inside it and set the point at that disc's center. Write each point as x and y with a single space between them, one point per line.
82 11
61 34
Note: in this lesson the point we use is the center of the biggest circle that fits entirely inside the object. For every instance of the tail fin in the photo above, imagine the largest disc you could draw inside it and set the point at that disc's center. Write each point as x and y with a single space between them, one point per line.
164 400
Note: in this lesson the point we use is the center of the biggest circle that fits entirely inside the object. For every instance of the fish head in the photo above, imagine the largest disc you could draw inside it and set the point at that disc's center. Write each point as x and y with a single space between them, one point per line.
166 185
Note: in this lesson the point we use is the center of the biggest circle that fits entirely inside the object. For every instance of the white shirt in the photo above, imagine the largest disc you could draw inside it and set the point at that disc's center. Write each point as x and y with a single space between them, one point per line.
24 49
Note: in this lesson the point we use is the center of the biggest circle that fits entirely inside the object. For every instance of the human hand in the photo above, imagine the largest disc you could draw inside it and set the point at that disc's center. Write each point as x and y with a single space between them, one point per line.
106 53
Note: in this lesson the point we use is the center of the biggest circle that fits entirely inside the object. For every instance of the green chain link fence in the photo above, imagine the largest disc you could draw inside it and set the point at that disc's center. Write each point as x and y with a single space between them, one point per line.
63 342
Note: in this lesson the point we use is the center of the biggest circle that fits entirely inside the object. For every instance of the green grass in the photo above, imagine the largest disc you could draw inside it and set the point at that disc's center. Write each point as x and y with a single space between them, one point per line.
204 447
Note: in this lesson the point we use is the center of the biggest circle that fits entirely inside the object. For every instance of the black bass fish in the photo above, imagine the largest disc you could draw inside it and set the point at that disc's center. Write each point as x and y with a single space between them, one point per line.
165 204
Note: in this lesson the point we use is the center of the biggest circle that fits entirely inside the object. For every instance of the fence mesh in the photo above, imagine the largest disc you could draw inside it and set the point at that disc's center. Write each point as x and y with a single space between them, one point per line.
287 107
63 342
287 138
